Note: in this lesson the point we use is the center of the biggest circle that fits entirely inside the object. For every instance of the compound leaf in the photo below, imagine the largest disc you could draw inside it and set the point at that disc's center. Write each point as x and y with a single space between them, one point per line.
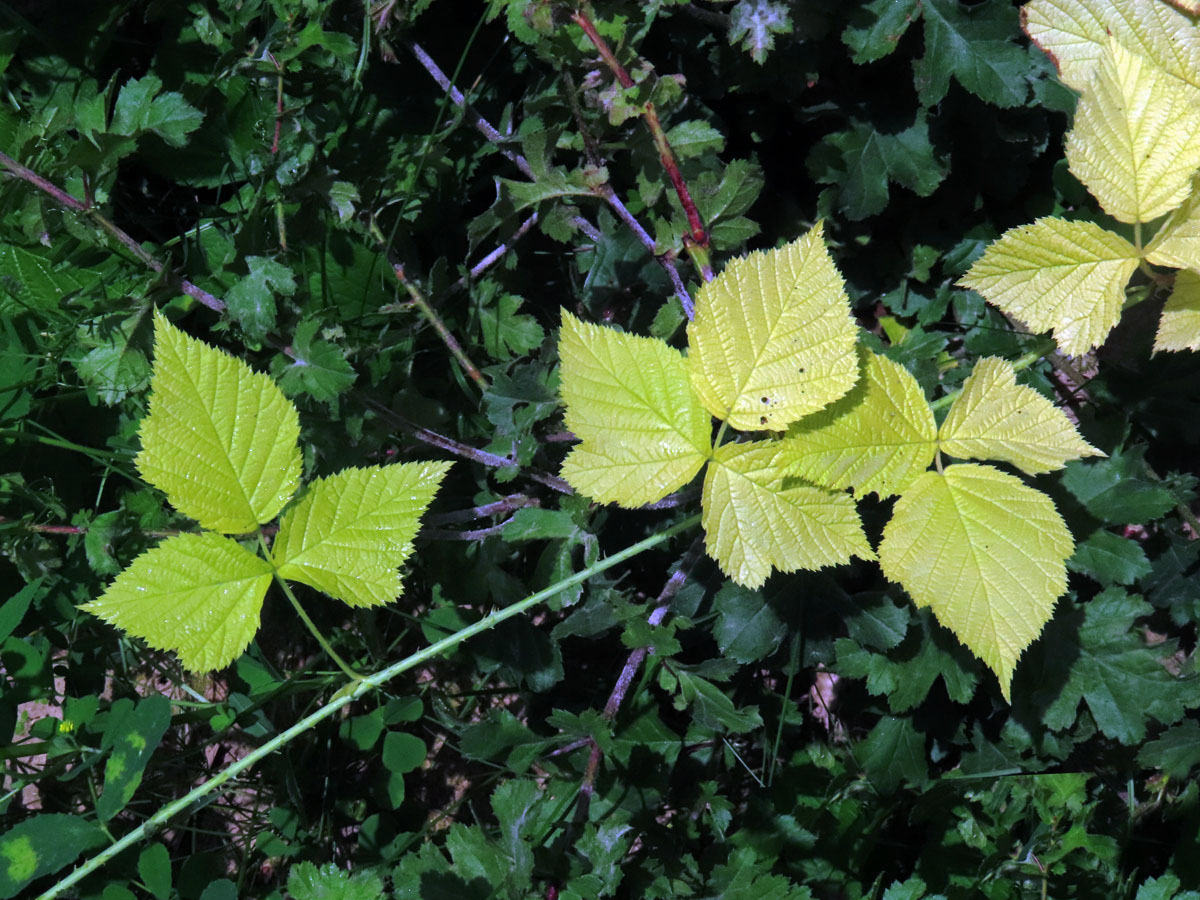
1133 141
220 439
1118 490
198 595
996 418
773 338
1060 276
1110 559
351 531
1122 679
904 676
507 333
879 437
752 523
644 432
1074 34
755 23
252 300
1179 327
307 882
975 46
986 552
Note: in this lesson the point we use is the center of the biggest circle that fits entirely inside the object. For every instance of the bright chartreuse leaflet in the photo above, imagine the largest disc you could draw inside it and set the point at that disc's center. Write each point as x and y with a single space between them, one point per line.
220 441
1133 145
772 351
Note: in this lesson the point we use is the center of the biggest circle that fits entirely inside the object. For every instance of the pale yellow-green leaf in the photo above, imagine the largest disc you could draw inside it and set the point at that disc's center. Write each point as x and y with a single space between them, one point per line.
220 439
1060 276
1134 141
1179 327
644 432
1074 32
1177 241
996 418
198 595
986 552
877 438
752 523
351 531
773 338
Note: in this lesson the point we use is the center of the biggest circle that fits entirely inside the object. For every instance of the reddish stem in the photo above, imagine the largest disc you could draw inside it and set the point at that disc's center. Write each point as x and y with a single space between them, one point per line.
698 235
62 198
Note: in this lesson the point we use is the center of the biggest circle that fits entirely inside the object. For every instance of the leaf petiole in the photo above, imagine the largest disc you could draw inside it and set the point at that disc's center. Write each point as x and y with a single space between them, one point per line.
309 623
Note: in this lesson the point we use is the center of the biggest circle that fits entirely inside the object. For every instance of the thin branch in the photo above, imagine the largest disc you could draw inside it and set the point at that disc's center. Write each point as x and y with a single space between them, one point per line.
481 124
489 131
503 505
633 662
610 197
433 439
484 264
451 342
478 534
62 198
696 242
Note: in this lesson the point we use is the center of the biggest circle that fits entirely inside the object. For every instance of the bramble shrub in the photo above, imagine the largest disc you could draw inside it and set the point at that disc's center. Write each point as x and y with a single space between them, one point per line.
765 406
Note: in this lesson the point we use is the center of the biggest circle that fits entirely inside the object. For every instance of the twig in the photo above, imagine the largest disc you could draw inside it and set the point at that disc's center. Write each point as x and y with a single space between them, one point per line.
488 261
61 197
503 505
696 242
488 130
433 439
481 124
634 661
606 191
478 534
451 342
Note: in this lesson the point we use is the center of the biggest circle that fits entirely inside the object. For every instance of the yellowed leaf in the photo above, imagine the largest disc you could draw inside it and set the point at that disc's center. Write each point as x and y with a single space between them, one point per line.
773 338
996 418
879 437
644 432
1179 327
986 552
753 524
1068 277
1073 33
1134 143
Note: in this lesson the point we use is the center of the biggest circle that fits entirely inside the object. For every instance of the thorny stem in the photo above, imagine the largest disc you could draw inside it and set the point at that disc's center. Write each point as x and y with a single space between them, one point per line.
503 505
62 198
611 198
433 439
696 242
489 131
308 623
419 301
350 694
482 125
634 661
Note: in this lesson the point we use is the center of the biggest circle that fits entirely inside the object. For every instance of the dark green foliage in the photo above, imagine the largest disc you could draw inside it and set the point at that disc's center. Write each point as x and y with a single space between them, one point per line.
296 162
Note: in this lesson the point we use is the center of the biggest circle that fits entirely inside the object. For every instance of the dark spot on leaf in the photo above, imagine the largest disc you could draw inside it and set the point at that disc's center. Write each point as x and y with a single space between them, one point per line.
762 420
766 400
